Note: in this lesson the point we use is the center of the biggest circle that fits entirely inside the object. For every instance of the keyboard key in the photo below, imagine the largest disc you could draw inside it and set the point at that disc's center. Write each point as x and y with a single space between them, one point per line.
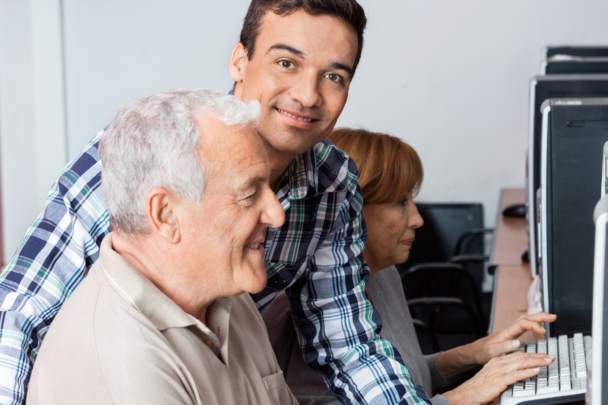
518 390
548 389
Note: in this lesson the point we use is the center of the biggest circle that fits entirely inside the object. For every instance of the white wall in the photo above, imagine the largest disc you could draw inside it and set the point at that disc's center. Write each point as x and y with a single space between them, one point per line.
32 133
449 77
117 50
452 79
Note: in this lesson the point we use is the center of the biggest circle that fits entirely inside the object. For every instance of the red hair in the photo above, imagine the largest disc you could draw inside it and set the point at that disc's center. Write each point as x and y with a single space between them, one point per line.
388 167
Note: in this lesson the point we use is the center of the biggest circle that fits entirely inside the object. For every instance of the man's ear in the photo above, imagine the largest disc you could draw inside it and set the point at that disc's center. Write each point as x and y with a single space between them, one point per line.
238 63
161 210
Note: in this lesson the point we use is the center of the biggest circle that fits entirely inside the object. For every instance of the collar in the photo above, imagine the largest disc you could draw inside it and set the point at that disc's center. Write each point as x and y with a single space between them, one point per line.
300 179
144 296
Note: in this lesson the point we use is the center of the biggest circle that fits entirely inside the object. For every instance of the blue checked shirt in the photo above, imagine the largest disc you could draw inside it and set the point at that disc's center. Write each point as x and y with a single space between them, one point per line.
316 255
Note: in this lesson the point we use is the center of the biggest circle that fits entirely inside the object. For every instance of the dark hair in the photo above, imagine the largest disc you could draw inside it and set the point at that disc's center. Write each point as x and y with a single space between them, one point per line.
348 10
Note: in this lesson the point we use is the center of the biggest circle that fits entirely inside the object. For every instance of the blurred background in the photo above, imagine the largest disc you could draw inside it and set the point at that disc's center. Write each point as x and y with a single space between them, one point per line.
449 77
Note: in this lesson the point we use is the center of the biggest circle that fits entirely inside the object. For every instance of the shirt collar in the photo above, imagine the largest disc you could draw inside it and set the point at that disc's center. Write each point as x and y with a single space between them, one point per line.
301 178
144 296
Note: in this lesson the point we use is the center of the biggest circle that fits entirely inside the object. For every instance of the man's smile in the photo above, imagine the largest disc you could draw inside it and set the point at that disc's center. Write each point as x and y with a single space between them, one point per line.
295 119
300 118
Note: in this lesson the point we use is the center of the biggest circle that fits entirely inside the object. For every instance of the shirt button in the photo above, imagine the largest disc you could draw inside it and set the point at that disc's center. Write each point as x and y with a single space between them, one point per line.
209 343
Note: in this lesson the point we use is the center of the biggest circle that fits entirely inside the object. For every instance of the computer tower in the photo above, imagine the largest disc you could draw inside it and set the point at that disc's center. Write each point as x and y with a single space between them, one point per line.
588 51
543 88
575 65
573 135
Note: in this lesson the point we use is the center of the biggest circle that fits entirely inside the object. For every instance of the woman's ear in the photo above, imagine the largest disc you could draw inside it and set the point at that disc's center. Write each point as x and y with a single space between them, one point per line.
238 63
161 210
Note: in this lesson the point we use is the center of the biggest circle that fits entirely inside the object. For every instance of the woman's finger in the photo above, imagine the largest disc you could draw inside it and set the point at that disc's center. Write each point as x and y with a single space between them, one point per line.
523 325
507 346
518 375
502 347
541 317
520 361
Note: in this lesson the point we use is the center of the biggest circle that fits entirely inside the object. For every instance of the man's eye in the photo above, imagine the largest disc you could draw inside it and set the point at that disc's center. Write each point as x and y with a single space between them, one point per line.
249 199
287 64
334 77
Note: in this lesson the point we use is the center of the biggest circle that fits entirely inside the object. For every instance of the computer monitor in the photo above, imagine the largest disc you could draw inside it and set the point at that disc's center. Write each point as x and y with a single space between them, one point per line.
588 51
604 185
599 373
543 88
574 132
575 65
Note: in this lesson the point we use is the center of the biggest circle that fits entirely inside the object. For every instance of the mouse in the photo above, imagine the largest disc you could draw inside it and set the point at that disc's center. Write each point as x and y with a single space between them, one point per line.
515 211
525 257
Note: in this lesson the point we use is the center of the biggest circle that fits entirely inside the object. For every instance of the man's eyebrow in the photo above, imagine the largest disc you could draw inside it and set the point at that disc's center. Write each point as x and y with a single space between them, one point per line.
283 47
300 54
253 181
342 66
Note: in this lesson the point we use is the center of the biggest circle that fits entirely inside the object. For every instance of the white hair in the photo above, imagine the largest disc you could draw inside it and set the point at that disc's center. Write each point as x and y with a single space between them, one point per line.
152 142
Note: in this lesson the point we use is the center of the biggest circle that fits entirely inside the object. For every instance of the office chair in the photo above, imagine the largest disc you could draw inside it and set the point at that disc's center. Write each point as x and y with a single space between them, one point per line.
451 233
444 297
449 252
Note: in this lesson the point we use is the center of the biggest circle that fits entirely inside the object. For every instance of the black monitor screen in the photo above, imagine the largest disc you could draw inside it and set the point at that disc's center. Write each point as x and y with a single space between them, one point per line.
576 67
591 51
555 86
576 140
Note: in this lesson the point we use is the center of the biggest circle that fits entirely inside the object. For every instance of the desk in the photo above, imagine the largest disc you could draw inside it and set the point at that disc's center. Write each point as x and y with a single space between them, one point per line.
512 278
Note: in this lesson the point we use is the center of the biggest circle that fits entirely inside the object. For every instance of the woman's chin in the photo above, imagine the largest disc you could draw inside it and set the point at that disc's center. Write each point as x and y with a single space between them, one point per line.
403 258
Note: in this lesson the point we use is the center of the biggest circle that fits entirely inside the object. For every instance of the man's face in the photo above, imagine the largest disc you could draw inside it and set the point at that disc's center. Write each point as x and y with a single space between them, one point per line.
300 73
225 232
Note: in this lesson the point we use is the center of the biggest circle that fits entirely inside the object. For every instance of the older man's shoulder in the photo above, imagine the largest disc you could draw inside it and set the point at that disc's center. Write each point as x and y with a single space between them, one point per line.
93 343
65 355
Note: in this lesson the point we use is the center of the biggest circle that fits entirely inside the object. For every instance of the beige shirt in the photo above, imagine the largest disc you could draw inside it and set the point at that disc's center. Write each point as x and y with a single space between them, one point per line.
119 340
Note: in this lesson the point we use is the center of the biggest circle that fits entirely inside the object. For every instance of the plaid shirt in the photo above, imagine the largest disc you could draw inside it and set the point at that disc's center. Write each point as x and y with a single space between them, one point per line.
316 256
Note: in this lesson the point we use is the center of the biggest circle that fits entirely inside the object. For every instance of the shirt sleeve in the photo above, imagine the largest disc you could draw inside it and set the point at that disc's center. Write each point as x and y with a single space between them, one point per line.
438 381
439 400
58 248
337 325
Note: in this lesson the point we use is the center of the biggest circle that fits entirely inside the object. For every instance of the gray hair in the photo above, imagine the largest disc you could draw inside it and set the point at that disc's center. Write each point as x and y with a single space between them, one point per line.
152 142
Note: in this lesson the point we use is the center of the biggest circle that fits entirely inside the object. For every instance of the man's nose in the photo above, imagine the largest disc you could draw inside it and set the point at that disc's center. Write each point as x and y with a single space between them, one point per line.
273 215
306 91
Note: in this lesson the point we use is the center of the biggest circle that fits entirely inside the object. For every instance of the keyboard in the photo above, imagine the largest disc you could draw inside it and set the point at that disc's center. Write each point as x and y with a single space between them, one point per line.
565 380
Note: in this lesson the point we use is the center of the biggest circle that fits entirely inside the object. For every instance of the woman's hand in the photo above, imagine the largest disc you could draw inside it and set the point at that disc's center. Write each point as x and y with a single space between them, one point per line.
453 363
505 340
496 376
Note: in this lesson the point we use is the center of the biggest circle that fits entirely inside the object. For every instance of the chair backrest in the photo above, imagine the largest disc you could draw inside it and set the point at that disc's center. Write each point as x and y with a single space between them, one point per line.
441 280
444 281
444 225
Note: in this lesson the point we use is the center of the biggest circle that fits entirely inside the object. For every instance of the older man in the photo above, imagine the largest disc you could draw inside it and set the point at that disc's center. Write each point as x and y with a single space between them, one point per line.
297 58
162 317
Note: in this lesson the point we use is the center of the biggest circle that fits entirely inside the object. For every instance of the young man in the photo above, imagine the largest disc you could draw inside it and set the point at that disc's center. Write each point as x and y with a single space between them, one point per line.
297 58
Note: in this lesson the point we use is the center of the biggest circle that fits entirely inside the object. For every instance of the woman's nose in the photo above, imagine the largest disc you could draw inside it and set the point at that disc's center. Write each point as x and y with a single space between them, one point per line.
415 220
